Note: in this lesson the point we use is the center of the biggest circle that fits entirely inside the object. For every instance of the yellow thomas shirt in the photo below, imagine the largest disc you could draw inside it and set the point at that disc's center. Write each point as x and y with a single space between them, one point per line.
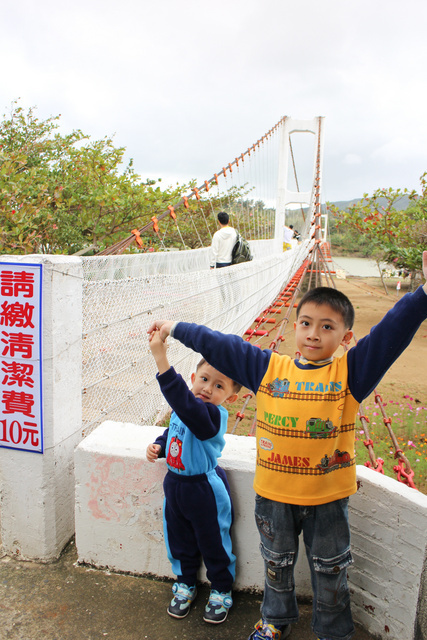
305 433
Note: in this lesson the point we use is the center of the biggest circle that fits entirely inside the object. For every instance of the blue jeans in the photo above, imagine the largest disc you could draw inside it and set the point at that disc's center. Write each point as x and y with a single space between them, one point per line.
326 536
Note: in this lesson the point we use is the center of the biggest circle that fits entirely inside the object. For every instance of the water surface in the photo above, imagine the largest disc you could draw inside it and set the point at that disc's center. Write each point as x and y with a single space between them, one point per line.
363 267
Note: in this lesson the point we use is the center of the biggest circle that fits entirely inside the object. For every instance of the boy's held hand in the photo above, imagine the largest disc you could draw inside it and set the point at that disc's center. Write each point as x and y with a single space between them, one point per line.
158 348
157 345
163 326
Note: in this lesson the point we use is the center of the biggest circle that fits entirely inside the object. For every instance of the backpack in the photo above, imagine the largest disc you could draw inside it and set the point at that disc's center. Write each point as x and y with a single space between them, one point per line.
241 250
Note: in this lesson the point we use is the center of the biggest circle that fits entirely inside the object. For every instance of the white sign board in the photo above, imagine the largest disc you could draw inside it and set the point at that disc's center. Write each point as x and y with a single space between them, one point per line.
21 406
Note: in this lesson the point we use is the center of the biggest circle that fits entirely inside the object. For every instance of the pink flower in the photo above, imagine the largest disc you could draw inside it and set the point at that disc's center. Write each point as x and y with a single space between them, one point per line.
411 444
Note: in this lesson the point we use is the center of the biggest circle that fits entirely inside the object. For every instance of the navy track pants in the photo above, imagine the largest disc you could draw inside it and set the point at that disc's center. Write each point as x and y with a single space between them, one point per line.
198 514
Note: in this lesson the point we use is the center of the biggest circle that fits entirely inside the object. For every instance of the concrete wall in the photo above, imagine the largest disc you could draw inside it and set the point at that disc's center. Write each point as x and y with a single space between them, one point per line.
119 498
37 490
389 542
119 501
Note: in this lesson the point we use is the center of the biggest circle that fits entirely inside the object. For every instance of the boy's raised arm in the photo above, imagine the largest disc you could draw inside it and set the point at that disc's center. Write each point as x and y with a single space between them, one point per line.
425 271
158 349
375 353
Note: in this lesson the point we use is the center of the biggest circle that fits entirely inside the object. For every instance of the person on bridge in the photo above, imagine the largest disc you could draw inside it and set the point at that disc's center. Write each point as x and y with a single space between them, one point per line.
305 464
198 511
288 234
223 242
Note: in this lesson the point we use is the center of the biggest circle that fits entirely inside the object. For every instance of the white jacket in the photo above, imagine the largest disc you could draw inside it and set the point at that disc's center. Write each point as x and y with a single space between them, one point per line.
223 242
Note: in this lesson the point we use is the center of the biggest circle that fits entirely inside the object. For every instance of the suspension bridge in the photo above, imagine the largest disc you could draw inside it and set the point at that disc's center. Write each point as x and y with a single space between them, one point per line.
106 340
122 291
261 190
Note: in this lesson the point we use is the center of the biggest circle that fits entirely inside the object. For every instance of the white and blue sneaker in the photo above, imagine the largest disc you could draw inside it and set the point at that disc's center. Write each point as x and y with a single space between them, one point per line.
217 607
183 596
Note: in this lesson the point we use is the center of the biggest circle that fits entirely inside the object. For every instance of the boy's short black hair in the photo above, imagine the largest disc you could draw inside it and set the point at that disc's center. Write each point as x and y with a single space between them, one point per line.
236 385
223 217
337 300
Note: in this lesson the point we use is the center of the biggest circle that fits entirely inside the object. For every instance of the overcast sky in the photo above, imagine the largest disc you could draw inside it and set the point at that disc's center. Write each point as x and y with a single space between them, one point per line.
186 85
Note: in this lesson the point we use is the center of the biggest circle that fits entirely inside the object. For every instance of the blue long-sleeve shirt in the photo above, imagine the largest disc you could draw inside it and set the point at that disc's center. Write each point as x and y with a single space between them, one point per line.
195 438
368 360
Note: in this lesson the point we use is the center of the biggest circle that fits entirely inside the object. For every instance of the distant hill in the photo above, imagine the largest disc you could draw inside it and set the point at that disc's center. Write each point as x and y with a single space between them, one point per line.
400 204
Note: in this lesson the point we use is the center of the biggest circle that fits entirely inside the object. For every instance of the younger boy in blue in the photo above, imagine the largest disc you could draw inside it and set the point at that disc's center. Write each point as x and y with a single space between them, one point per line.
305 468
198 512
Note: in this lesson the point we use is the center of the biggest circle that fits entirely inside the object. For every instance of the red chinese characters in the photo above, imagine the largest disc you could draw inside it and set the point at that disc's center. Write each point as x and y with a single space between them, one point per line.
20 349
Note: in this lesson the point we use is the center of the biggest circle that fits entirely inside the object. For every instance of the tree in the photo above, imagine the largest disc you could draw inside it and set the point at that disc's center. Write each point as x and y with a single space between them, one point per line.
398 236
68 194
63 193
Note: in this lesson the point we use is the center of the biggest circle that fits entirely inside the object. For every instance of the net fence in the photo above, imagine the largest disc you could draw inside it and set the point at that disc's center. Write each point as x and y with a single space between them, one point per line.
121 296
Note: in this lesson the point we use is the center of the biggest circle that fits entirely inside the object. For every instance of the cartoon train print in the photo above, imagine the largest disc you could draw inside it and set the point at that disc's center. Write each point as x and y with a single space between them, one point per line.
278 387
318 428
337 460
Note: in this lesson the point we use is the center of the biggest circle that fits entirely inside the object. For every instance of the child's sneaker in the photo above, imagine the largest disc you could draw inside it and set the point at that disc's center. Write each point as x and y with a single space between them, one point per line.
217 607
183 596
263 631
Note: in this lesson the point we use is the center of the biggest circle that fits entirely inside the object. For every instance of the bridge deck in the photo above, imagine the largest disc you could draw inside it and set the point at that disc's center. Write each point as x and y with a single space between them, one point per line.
62 601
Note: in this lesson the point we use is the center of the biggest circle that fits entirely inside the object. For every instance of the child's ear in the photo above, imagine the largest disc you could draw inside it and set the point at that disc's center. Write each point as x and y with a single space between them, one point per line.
193 377
232 398
347 338
295 325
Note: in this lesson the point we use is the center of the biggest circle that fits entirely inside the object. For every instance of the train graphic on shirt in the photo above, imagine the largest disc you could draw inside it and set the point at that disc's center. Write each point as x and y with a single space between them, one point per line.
318 428
173 458
278 387
337 460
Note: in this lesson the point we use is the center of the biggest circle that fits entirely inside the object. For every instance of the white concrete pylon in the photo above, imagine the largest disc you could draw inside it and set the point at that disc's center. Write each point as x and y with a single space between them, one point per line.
37 489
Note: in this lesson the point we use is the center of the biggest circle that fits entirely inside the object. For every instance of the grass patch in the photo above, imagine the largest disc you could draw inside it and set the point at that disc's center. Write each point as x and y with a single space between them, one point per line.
409 425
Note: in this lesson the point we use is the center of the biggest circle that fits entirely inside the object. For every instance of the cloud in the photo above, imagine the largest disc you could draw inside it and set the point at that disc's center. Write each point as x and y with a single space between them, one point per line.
401 149
186 86
352 158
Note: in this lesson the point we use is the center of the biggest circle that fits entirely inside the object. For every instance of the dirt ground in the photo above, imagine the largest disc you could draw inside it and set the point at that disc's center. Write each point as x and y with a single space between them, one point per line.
408 375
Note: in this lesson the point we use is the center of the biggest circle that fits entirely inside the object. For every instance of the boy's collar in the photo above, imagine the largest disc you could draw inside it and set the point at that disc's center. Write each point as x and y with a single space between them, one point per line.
303 360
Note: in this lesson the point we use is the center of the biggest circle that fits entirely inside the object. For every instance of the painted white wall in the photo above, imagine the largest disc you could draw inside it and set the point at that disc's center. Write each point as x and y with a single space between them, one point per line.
389 543
119 499
37 490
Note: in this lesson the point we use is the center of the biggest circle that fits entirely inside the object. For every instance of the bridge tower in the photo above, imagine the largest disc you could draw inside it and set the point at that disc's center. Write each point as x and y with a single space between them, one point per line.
285 196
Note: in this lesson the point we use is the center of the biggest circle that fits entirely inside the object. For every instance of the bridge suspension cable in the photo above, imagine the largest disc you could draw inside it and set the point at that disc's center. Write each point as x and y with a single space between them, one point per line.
122 245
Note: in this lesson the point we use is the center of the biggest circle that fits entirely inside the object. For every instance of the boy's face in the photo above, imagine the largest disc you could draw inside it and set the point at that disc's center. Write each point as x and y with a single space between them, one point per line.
212 386
319 331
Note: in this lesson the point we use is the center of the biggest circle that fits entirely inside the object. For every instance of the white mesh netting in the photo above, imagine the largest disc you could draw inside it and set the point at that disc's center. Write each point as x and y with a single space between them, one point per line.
122 294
